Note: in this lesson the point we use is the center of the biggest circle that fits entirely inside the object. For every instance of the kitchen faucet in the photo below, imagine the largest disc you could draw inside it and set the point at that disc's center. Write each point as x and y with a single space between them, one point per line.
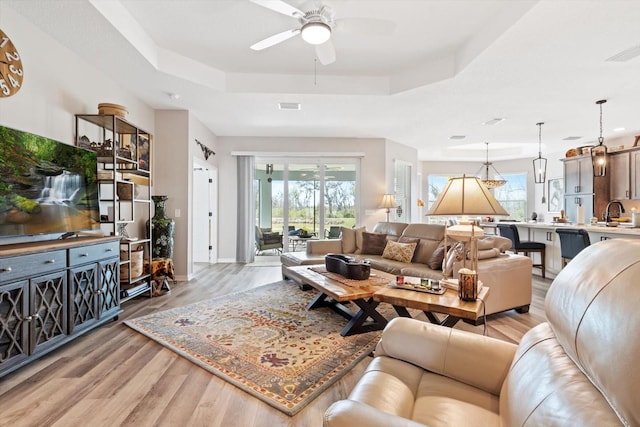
607 216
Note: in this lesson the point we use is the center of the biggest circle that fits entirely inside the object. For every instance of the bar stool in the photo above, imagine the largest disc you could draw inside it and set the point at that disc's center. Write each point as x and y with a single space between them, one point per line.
510 231
572 241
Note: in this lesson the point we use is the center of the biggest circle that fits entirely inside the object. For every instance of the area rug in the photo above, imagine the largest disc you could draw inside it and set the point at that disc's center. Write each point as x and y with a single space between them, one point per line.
263 341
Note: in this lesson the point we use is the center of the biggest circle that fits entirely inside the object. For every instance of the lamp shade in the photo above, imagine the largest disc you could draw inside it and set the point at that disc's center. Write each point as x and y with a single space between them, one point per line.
388 201
466 196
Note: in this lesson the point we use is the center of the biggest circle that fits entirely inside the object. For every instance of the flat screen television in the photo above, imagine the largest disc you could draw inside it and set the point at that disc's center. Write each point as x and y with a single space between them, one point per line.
46 186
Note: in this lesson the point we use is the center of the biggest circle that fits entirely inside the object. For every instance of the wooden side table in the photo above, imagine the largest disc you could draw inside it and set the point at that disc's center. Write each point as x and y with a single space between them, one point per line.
448 303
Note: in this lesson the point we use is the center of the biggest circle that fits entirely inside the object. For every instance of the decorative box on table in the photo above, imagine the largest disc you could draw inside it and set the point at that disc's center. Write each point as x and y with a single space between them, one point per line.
347 266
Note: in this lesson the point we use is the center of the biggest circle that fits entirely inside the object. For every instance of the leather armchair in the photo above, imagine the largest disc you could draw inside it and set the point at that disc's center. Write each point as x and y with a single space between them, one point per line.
579 368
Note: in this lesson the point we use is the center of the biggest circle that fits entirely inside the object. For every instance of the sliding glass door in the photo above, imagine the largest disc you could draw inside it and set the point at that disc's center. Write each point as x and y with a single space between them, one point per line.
317 196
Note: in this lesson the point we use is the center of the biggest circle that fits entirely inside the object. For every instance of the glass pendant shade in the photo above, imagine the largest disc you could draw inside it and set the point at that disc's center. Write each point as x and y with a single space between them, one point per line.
599 152
540 164
540 170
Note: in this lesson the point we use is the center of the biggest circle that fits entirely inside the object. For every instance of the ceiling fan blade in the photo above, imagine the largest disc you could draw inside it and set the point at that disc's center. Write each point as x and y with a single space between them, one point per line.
326 53
366 26
280 7
275 39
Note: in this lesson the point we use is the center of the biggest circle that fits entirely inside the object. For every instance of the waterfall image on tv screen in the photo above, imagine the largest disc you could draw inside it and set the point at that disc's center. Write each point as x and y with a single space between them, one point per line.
46 186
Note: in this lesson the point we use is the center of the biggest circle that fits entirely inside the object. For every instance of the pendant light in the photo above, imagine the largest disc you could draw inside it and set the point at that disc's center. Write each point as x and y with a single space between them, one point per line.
540 164
491 183
599 152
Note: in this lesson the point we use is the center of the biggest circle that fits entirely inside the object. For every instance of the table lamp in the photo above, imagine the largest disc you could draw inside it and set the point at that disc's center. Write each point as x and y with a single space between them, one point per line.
465 196
388 202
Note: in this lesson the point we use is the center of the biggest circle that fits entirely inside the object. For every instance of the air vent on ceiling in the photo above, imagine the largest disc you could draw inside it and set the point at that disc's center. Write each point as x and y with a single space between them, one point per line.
289 105
625 55
457 137
494 121
571 138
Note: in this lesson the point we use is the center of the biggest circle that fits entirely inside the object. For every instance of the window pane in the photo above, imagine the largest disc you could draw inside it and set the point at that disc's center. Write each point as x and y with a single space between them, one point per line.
513 195
436 184
340 196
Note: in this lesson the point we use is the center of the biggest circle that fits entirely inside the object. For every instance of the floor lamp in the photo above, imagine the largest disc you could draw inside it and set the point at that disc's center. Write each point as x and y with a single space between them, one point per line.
388 202
465 196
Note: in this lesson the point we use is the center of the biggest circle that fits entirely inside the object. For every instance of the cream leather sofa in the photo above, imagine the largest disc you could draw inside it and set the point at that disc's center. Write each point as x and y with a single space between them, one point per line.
581 368
507 275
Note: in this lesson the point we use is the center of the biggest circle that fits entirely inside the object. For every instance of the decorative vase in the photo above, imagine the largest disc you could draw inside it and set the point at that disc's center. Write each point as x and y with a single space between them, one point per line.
162 229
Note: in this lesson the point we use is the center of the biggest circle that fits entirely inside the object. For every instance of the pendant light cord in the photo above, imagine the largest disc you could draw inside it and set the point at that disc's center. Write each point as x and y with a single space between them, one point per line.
486 165
601 139
540 140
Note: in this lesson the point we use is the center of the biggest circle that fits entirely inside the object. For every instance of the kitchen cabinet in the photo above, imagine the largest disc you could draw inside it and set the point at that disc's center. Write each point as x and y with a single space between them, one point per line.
548 236
52 292
578 175
571 203
634 166
625 178
619 167
583 189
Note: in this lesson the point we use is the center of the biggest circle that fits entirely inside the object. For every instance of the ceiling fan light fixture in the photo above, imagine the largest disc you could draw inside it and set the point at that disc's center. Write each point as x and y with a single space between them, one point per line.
315 32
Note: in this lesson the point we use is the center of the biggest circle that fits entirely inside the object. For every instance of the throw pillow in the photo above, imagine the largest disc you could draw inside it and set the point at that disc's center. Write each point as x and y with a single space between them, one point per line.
435 262
416 240
350 239
359 232
402 252
373 243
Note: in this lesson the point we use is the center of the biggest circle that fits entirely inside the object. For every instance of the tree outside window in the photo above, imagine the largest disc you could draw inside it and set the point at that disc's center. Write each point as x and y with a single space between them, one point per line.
513 195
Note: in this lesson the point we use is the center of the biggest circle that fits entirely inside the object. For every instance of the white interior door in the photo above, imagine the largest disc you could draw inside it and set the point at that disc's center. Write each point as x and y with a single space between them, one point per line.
201 238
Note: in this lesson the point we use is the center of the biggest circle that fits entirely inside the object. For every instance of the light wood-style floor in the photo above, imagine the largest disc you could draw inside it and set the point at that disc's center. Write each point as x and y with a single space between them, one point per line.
115 376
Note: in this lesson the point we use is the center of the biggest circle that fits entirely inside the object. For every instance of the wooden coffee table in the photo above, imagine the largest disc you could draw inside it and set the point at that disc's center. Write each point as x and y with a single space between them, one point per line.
448 304
334 294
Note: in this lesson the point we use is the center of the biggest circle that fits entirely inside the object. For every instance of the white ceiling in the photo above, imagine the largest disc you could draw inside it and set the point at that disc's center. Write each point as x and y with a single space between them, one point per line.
435 68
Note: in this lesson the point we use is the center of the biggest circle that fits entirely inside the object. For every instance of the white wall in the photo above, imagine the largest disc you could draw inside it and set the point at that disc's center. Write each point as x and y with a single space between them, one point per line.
175 148
58 84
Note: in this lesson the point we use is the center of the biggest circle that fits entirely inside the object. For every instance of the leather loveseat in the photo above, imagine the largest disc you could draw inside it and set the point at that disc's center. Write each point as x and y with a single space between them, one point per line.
507 275
580 368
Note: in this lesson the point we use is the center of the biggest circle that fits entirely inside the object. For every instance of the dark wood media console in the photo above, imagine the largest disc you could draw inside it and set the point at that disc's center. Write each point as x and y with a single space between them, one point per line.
52 292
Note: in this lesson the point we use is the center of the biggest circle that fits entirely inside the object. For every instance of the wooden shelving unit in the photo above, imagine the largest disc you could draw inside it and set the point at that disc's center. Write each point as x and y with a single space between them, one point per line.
124 192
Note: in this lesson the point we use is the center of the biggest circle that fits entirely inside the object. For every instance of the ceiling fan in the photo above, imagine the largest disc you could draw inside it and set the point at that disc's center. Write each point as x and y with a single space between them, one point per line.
317 26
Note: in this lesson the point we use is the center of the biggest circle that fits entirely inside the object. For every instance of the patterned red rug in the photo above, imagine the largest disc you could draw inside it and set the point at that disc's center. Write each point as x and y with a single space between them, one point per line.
263 341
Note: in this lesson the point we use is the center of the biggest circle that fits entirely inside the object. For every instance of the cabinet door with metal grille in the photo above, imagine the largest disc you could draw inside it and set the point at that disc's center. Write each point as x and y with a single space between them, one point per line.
83 297
14 335
109 287
48 314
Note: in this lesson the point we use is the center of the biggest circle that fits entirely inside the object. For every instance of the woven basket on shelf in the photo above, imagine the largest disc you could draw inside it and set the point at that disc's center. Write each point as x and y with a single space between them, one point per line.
137 258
